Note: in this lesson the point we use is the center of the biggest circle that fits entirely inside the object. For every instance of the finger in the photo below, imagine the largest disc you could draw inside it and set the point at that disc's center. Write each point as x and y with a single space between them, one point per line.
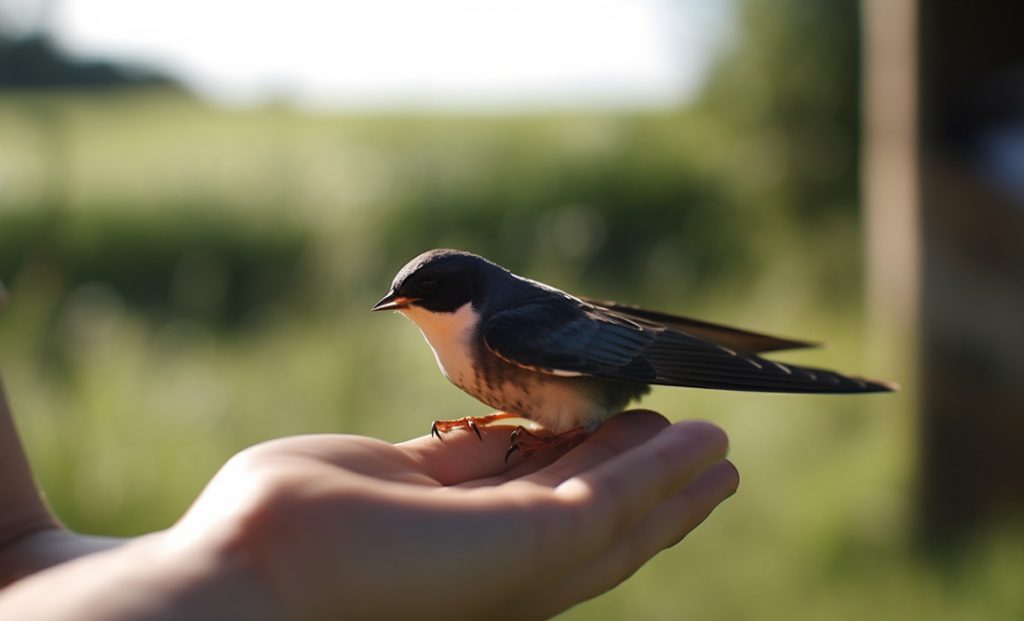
664 527
551 467
611 498
461 456
620 434
520 468
674 518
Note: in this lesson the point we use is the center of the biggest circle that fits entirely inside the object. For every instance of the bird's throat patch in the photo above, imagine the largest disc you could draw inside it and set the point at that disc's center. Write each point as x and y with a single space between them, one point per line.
449 336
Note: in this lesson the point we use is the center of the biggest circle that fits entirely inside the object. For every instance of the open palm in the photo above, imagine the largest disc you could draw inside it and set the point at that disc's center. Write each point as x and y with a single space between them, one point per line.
350 526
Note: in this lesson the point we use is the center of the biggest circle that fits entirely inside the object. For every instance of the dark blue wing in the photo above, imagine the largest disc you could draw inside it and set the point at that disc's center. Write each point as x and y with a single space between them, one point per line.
736 339
567 336
563 336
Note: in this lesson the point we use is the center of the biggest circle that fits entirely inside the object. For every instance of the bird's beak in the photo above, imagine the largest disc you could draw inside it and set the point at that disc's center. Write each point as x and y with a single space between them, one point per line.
392 301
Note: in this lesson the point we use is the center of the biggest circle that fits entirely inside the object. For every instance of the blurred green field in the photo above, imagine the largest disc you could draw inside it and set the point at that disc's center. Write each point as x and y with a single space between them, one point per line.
187 281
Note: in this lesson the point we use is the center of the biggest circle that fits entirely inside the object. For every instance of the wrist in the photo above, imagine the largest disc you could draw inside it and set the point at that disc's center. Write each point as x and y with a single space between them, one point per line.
200 579
152 577
43 546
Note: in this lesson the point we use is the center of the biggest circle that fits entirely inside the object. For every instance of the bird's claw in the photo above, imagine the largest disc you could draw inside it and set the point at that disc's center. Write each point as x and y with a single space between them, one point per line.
508 453
522 440
513 443
441 427
435 432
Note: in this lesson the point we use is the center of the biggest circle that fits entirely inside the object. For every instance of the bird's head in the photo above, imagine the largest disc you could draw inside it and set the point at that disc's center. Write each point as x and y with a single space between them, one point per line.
440 281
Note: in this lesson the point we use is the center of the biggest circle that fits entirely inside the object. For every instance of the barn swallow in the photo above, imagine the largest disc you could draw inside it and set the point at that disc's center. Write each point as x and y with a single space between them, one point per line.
569 363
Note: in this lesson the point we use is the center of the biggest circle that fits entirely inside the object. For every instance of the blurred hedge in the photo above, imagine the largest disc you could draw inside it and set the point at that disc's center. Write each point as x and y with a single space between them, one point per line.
185 261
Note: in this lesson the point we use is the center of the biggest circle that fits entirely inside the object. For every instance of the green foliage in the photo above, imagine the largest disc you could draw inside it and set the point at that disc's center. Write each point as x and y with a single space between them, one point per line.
607 212
180 261
790 96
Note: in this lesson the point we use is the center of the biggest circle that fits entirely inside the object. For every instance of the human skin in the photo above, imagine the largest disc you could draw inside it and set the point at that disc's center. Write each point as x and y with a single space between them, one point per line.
340 526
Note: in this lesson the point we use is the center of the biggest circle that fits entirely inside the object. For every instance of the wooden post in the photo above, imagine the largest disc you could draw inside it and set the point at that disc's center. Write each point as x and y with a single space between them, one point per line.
890 186
936 197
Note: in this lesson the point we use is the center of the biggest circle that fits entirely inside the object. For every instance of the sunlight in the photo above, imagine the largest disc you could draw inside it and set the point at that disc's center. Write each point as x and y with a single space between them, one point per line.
404 53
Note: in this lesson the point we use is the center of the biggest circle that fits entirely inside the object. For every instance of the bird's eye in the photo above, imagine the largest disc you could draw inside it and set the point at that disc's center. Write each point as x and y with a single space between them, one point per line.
426 284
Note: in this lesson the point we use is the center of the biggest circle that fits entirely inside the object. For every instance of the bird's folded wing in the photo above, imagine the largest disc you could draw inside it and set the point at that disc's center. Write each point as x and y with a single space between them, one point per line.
734 338
564 338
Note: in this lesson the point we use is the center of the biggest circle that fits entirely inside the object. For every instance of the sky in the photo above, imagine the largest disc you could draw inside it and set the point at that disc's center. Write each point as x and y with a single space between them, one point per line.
403 53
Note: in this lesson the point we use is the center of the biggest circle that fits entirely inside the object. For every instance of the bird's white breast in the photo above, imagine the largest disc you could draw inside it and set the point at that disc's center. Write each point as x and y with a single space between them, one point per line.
546 397
449 334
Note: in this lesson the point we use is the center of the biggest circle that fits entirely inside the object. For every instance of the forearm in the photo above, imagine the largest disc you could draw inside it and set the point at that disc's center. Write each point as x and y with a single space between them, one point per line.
41 549
147 578
57 574
23 514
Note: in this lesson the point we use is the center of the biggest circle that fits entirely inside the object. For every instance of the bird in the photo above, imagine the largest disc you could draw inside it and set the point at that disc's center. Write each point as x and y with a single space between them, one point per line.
568 363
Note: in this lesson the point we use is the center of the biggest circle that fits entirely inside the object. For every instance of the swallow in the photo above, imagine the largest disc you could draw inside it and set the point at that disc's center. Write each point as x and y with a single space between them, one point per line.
569 363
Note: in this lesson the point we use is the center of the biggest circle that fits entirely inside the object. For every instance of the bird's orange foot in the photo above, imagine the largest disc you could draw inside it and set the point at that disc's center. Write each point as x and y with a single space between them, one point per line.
527 443
468 422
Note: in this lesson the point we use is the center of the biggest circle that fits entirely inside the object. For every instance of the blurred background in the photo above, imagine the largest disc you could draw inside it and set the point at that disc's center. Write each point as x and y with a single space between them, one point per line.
199 201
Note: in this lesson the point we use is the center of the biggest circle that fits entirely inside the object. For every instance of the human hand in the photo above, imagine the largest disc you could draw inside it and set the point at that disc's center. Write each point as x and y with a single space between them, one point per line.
328 525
